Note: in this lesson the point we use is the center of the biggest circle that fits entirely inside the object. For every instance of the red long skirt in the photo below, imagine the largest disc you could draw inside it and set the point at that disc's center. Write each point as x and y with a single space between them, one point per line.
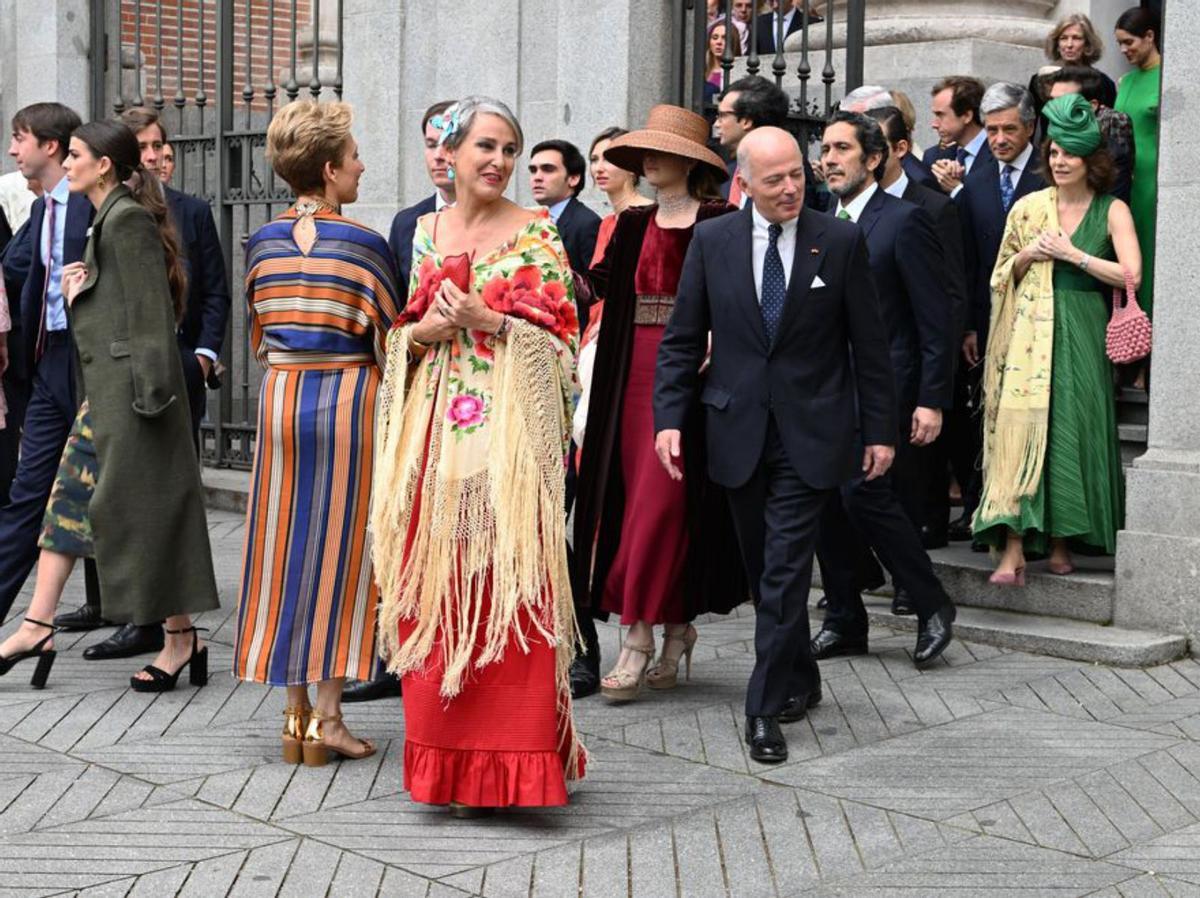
645 582
502 741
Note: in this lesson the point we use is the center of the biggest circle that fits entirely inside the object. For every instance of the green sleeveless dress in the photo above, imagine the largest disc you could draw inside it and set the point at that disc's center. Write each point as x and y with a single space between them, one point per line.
1082 493
1138 98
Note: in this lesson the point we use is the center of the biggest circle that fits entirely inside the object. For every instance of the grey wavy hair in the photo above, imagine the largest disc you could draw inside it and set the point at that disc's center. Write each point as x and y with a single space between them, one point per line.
1006 95
871 96
465 111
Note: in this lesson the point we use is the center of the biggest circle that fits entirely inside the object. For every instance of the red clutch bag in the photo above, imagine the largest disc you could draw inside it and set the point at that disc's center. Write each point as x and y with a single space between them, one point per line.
457 270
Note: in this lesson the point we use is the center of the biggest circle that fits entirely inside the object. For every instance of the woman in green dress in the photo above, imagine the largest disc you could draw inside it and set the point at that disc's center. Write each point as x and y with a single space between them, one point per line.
1137 96
1052 461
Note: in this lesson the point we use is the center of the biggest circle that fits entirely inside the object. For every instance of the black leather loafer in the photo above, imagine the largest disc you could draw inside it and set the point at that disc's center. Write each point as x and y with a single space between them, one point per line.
128 641
797 706
85 617
386 685
935 634
832 644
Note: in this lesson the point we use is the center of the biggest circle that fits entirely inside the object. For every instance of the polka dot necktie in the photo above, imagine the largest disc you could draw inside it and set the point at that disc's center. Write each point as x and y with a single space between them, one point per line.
774 285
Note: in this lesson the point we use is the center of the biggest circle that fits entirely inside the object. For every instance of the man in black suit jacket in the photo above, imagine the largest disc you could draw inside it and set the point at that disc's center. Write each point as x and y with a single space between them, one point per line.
556 178
905 262
41 133
404 225
797 382
988 193
793 21
926 494
961 139
15 261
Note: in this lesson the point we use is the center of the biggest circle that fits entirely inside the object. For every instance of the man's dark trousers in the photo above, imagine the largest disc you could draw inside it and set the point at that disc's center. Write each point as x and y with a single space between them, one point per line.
776 515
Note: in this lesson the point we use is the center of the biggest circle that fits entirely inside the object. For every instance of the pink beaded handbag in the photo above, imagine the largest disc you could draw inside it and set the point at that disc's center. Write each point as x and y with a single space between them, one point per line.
1129 331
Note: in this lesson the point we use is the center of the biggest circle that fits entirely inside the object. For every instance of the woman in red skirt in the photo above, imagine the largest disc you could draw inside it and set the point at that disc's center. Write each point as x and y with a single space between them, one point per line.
467 523
647 548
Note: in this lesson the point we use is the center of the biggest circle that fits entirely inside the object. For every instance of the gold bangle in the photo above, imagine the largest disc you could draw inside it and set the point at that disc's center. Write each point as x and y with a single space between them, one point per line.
413 342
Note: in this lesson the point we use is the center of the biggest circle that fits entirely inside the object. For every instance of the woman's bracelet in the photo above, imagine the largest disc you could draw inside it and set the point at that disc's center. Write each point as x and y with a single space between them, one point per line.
1084 261
504 328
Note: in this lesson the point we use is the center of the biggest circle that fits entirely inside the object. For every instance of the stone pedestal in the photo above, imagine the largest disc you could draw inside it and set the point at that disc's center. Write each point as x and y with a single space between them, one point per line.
567 69
1158 554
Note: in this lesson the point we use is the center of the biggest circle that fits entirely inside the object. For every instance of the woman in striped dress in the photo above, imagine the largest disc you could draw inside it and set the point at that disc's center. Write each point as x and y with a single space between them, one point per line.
321 292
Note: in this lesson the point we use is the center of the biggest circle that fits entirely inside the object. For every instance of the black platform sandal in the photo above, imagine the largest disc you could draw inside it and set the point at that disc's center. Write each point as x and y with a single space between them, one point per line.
45 656
161 681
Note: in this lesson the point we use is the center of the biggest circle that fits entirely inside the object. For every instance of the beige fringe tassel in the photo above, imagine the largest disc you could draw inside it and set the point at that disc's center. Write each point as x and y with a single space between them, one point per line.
507 521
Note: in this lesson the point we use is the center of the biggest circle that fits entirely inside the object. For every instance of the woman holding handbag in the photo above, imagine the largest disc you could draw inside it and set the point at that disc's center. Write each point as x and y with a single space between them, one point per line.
1052 460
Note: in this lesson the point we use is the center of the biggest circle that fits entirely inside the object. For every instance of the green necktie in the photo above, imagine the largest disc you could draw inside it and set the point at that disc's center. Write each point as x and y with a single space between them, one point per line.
844 215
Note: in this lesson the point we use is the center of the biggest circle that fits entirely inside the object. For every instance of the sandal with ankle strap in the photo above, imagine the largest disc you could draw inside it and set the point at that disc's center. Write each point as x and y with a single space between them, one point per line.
161 681
45 656
295 722
629 686
317 750
665 674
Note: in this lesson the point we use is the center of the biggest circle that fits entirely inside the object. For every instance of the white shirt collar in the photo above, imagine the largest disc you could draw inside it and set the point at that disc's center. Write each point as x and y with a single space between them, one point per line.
856 206
761 223
557 209
440 202
61 191
976 145
898 186
1020 162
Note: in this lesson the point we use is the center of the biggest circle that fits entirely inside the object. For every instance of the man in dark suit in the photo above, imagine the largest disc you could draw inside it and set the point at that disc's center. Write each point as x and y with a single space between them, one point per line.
404 225
961 139
988 192
200 336
556 178
798 381
926 493
400 238
15 260
905 262
792 13
58 225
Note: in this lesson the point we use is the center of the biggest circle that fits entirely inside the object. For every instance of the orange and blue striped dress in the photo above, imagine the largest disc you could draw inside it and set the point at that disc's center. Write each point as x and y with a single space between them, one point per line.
319 323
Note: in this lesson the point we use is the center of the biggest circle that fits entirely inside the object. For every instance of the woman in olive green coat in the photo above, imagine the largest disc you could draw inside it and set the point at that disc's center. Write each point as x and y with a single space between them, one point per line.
146 512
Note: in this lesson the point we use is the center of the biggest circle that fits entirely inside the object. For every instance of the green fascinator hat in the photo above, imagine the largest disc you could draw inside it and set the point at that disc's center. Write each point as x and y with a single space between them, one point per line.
1072 124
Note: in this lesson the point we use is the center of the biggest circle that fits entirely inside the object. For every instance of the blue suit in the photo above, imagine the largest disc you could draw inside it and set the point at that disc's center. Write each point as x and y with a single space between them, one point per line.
400 239
918 172
52 404
208 301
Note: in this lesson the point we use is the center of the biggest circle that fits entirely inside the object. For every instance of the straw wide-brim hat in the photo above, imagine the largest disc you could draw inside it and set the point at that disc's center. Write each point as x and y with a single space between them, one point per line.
669 129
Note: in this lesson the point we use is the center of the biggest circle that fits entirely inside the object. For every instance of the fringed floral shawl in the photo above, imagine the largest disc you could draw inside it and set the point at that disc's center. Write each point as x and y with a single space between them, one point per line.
1016 376
468 494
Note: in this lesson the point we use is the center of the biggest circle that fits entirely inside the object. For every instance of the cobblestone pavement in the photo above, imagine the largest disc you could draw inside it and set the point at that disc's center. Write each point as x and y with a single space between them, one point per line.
994 773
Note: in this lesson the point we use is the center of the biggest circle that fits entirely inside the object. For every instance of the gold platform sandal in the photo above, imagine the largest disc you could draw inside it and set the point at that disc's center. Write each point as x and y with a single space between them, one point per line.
665 674
316 750
295 722
627 686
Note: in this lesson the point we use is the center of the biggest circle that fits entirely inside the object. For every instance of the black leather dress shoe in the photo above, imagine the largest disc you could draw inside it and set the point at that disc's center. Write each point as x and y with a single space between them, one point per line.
935 634
902 604
959 531
386 685
797 706
85 617
765 738
128 641
934 538
831 644
585 676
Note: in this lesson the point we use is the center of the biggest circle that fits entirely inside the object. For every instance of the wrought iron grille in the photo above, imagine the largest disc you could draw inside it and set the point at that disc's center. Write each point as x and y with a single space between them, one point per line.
216 71
811 90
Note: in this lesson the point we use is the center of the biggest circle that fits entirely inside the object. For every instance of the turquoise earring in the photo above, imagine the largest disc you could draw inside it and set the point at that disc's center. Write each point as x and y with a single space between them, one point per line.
450 172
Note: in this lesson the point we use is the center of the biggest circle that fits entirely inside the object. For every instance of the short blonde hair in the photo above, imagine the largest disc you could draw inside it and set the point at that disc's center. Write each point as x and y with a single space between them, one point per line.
907 111
302 137
1093 46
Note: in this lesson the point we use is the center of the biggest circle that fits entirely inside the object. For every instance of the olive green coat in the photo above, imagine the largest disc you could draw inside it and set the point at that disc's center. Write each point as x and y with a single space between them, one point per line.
147 512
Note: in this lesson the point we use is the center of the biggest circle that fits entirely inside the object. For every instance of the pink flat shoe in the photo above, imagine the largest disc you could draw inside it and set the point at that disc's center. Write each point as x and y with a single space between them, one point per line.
1014 578
1061 568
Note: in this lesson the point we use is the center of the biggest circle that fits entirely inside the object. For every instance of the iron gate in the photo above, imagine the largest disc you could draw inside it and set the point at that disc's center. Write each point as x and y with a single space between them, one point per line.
811 104
216 70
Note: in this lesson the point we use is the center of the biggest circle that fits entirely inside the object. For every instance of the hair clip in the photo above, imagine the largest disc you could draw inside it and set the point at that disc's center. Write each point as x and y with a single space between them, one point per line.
446 122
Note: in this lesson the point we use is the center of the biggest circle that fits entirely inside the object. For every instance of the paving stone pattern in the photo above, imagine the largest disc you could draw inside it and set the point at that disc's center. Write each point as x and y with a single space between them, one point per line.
994 773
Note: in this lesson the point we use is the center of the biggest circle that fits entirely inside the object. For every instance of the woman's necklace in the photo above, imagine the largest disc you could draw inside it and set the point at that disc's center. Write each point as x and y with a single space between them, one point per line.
312 205
671 205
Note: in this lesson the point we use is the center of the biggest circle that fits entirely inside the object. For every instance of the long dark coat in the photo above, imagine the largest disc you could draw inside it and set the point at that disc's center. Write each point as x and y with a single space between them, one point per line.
147 513
715 579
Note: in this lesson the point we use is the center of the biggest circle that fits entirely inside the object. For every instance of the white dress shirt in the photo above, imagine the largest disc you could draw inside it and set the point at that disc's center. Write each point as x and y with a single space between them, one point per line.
1018 165
856 205
761 239
898 186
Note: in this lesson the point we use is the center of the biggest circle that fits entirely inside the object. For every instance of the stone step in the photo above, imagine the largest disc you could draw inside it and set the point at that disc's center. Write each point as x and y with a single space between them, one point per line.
225 489
1045 635
1085 595
1133 406
1133 441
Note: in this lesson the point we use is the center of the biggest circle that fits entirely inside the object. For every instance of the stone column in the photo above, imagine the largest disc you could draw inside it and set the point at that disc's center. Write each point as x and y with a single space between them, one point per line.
1158 554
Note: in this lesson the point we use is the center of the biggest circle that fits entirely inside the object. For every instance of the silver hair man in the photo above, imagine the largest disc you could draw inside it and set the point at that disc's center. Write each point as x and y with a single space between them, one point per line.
1006 95
866 98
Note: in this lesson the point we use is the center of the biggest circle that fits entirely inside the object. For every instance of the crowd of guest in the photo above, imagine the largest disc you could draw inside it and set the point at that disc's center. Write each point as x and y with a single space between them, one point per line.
482 434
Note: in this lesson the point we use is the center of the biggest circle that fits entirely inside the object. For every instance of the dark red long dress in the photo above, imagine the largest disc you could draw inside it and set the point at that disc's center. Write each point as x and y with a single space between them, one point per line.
645 582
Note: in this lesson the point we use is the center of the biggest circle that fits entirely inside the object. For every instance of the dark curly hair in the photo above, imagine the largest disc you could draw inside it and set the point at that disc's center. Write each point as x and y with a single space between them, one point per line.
1101 170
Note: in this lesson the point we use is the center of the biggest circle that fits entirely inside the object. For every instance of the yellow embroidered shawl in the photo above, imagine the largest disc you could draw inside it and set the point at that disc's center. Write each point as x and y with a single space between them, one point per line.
470 453
1016 375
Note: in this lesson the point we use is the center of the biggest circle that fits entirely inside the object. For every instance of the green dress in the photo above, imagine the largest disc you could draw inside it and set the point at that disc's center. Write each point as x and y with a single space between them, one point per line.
1138 98
1082 493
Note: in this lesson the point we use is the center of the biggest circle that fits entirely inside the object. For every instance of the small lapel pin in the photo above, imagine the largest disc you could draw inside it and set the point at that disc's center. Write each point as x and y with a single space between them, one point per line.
815 251
89 232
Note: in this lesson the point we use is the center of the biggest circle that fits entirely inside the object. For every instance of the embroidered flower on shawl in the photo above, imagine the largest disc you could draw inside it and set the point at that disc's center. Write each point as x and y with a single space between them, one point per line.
429 281
466 412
